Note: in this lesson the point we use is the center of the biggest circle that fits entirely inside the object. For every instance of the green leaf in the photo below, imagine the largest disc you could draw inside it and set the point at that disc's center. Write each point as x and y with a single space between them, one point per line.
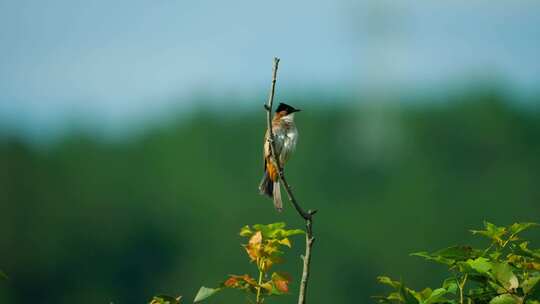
276 230
275 226
204 293
493 232
495 285
504 275
505 299
270 229
245 231
450 285
530 283
459 253
495 255
291 232
437 296
523 249
476 292
394 296
3 275
164 299
480 265
388 281
450 255
420 296
429 257
285 242
408 295
519 227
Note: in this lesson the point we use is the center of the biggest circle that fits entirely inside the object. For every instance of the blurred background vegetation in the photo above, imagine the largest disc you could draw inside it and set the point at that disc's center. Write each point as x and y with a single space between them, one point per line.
131 137
88 220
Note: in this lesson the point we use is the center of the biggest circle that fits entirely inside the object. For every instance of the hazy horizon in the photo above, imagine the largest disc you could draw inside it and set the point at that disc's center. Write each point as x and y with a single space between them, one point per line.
107 65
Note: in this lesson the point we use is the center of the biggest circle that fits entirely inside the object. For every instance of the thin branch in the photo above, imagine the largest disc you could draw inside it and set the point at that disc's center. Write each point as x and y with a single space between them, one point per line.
307 216
307 260
461 286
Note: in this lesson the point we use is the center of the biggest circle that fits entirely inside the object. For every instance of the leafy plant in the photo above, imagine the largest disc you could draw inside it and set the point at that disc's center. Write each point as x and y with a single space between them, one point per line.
505 272
265 249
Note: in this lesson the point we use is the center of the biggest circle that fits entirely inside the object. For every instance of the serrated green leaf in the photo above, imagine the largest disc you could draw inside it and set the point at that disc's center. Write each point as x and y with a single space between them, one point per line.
438 259
449 256
458 253
529 284
276 230
204 293
493 232
519 227
269 230
505 299
480 265
388 281
505 276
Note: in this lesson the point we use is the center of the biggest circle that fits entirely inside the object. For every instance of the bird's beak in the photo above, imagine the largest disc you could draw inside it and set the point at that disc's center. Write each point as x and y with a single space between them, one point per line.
297 110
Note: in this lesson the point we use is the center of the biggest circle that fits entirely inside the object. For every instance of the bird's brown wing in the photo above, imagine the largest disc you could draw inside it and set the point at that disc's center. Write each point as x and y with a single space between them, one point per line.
269 167
266 149
278 145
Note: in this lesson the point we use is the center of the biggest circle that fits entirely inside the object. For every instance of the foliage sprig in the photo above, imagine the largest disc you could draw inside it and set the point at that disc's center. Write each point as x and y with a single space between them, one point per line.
265 249
505 272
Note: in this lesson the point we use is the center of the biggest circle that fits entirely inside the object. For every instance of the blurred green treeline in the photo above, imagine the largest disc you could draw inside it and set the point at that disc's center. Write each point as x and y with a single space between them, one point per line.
91 221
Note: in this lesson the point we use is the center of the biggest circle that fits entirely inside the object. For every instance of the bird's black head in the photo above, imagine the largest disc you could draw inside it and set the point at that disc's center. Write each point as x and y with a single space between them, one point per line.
287 108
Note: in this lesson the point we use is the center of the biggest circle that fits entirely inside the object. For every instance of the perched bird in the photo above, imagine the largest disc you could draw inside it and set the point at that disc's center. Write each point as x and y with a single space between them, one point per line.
285 137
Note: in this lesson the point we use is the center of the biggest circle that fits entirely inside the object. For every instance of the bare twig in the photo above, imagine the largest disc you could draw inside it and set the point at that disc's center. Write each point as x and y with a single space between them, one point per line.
307 216
461 287
307 259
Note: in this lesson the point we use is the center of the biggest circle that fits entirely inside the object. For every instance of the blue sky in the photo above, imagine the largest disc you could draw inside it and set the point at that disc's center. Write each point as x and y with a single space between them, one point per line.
116 61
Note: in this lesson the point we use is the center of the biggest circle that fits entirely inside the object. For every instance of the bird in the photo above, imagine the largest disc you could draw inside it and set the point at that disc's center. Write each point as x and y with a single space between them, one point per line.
285 139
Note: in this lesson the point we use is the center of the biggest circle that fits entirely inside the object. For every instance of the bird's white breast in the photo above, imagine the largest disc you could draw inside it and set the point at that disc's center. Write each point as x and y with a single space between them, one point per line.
292 137
289 139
